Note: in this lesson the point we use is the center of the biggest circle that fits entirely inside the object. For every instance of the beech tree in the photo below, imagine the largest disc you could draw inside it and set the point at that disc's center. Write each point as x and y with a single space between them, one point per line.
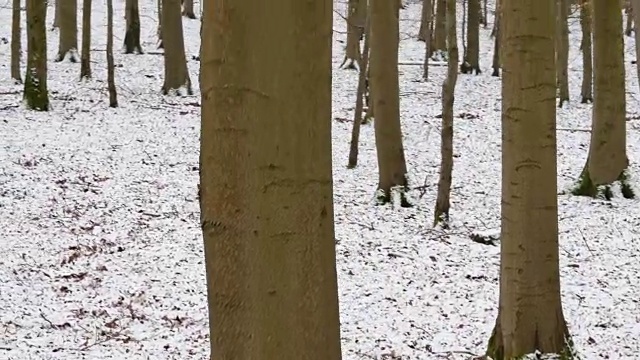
187 9
355 29
441 212
16 42
68 46
586 90
36 94
530 316
607 160
176 73
439 40
496 41
266 180
85 59
385 89
132 35
562 51
362 80
471 61
111 82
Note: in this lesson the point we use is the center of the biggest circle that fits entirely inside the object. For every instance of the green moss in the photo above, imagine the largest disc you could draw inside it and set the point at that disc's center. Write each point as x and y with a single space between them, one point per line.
585 186
35 94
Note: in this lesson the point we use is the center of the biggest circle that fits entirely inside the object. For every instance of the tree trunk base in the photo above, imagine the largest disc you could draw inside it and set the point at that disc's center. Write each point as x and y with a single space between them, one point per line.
586 187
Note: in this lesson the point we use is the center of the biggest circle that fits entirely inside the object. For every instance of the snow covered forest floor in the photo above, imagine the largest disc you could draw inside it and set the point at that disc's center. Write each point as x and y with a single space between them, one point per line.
102 254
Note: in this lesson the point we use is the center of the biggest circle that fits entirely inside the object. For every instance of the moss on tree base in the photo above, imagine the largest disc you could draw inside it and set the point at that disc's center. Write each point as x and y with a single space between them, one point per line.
495 351
586 187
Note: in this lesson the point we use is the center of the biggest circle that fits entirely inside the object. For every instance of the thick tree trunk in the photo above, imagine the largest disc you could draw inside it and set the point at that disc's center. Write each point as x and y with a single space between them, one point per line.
426 11
530 311
441 213
586 90
385 89
439 43
132 35
362 80
68 46
85 59
607 159
266 180
471 62
36 94
355 26
187 9
176 74
16 42
111 82
562 51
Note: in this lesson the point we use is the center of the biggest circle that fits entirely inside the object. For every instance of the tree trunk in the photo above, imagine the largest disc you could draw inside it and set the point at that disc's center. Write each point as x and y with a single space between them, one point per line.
586 91
636 15
426 7
562 51
496 40
385 89
111 82
425 21
56 14
439 44
607 160
441 213
36 94
355 27
176 74
266 180
485 14
132 35
357 117
628 10
187 9
471 61
85 60
16 42
35 80
68 46
530 311
159 31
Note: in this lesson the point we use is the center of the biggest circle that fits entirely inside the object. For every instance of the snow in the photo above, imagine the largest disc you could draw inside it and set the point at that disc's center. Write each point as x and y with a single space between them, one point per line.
101 248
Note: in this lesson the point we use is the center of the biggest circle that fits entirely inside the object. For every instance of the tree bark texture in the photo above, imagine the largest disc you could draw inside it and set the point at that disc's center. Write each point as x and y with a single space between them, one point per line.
85 59
586 90
176 73
355 29
266 180
439 43
471 62
362 84
111 82
132 36
530 310
385 90
68 46
562 51
35 80
16 42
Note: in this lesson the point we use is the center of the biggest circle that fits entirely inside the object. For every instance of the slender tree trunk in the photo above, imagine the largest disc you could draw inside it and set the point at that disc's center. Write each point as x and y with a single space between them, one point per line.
385 89
355 27
607 160
132 35
562 51
357 117
16 42
426 7
68 46
636 15
187 9
111 82
530 314
56 14
425 21
159 31
176 74
586 91
485 14
266 180
85 60
496 40
36 94
628 10
441 213
471 61
439 44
